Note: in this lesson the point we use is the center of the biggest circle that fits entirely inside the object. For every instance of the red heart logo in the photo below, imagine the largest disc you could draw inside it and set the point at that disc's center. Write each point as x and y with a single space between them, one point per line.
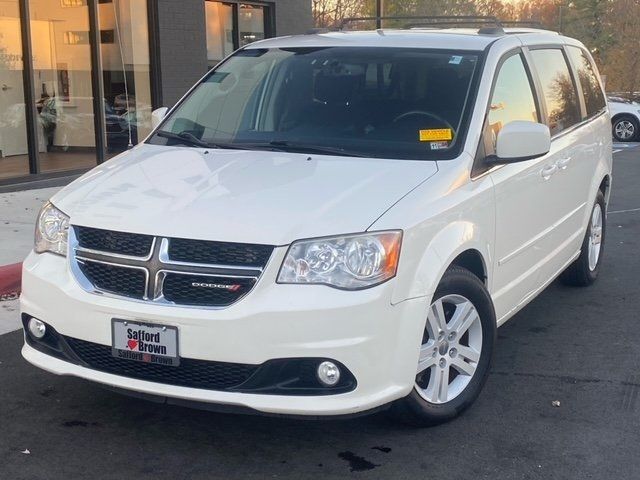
132 344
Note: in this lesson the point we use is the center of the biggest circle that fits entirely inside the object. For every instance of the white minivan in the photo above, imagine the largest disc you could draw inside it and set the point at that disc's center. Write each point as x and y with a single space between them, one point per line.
330 224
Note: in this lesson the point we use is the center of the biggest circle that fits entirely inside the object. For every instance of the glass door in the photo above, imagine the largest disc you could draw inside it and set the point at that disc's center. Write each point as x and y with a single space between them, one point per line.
234 25
14 155
251 23
220 33
62 77
126 73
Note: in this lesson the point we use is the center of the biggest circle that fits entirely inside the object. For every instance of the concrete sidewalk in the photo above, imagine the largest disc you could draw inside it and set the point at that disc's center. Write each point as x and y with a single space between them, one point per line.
18 212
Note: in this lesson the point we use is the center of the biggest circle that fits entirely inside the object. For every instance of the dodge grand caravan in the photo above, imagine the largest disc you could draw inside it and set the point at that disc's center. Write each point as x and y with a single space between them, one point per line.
330 224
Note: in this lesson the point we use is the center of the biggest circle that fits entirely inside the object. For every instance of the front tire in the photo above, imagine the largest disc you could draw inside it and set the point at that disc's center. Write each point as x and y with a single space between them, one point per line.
625 128
584 271
455 353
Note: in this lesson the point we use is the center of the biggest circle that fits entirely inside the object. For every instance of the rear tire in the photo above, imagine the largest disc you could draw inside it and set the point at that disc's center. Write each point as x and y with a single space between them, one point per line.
584 271
625 128
455 355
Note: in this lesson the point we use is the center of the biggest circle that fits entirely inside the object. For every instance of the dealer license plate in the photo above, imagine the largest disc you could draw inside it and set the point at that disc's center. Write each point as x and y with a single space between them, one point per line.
144 342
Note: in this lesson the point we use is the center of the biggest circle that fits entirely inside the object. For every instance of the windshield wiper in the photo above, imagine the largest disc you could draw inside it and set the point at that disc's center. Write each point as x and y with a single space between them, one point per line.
287 146
277 145
185 137
189 138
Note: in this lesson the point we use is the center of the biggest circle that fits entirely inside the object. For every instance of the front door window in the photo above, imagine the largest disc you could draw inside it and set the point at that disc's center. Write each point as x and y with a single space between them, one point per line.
512 98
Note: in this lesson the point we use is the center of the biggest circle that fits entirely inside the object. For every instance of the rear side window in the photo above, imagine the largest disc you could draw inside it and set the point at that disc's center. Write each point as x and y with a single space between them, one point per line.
589 83
512 98
558 89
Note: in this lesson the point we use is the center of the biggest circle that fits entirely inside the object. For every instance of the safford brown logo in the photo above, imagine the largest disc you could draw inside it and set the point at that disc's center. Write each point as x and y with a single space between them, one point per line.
145 342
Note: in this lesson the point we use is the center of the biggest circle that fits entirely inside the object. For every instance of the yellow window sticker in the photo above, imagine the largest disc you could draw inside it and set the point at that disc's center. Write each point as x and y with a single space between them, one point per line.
436 135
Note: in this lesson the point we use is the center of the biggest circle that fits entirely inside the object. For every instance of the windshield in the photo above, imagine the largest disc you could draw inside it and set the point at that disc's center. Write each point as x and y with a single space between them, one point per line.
373 102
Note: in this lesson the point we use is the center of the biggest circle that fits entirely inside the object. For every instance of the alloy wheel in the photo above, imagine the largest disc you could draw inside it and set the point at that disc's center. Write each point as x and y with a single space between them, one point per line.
450 351
625 130
595 237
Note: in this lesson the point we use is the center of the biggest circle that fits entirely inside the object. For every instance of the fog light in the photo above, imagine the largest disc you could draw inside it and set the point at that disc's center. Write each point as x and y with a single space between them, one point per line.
37 328
328 373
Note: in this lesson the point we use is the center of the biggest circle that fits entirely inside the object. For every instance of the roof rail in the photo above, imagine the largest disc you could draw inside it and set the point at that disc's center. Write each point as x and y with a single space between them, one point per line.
487 25
433 21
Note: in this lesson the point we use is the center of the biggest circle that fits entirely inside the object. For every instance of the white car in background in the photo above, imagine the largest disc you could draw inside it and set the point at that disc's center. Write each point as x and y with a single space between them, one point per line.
625 118
329 224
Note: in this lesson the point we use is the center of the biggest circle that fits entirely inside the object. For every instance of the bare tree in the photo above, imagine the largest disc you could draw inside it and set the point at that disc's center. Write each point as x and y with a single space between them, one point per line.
331 13
621 63
610 29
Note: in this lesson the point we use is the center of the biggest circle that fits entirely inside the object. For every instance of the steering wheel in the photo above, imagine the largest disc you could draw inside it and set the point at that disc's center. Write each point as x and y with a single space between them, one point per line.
425 114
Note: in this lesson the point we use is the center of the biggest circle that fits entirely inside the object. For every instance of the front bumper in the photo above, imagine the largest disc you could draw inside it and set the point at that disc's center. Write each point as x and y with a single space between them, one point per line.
377 341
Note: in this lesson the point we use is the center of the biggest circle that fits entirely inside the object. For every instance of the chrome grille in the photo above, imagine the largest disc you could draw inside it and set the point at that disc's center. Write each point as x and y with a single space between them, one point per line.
178 288
129 282
219 253
165 270
130 244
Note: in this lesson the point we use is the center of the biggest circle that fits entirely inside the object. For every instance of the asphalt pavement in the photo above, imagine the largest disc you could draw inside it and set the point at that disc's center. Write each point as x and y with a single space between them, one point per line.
562 402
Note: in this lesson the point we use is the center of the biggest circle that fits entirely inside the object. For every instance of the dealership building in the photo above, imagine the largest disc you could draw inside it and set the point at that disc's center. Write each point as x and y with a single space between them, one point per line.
79 78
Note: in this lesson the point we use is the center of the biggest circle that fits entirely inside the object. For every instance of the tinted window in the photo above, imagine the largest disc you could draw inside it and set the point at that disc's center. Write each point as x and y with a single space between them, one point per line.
558 89
374 102
512 97
589 83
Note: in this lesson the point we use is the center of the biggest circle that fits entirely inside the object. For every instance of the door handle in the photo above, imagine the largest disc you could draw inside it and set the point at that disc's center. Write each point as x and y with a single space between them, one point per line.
549 170
563 163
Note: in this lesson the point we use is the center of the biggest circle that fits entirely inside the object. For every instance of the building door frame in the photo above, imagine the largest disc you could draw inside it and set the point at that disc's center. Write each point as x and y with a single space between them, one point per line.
29 91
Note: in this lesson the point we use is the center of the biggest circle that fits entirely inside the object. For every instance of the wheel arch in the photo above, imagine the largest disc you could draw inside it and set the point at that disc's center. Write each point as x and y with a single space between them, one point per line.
605 188
617 116
472 260
632 118
460 243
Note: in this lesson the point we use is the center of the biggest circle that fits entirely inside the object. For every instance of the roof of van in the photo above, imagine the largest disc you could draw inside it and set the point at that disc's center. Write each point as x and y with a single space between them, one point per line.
447 38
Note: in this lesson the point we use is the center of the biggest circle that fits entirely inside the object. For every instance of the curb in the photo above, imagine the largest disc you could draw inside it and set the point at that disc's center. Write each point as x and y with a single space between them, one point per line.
10 281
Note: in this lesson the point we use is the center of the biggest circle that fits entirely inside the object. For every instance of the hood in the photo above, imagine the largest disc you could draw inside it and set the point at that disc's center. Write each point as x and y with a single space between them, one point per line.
623 100
238 195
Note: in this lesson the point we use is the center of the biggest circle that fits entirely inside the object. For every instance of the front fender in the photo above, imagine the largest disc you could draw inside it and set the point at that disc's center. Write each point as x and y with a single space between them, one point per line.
420 275
444 217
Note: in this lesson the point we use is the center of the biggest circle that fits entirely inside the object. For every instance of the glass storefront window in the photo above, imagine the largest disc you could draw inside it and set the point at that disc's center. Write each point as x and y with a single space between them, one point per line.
14 157
233 25
47 97
220 34
62 77
125 73
251 24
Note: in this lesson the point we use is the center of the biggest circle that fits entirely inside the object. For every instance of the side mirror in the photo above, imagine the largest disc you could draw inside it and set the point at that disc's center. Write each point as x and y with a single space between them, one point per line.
519 141
157 116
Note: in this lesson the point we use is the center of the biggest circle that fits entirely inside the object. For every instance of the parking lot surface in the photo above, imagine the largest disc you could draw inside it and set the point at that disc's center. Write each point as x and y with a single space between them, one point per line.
562 401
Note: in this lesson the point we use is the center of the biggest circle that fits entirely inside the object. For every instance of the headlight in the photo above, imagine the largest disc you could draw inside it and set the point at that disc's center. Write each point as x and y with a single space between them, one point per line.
350 262
52 231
